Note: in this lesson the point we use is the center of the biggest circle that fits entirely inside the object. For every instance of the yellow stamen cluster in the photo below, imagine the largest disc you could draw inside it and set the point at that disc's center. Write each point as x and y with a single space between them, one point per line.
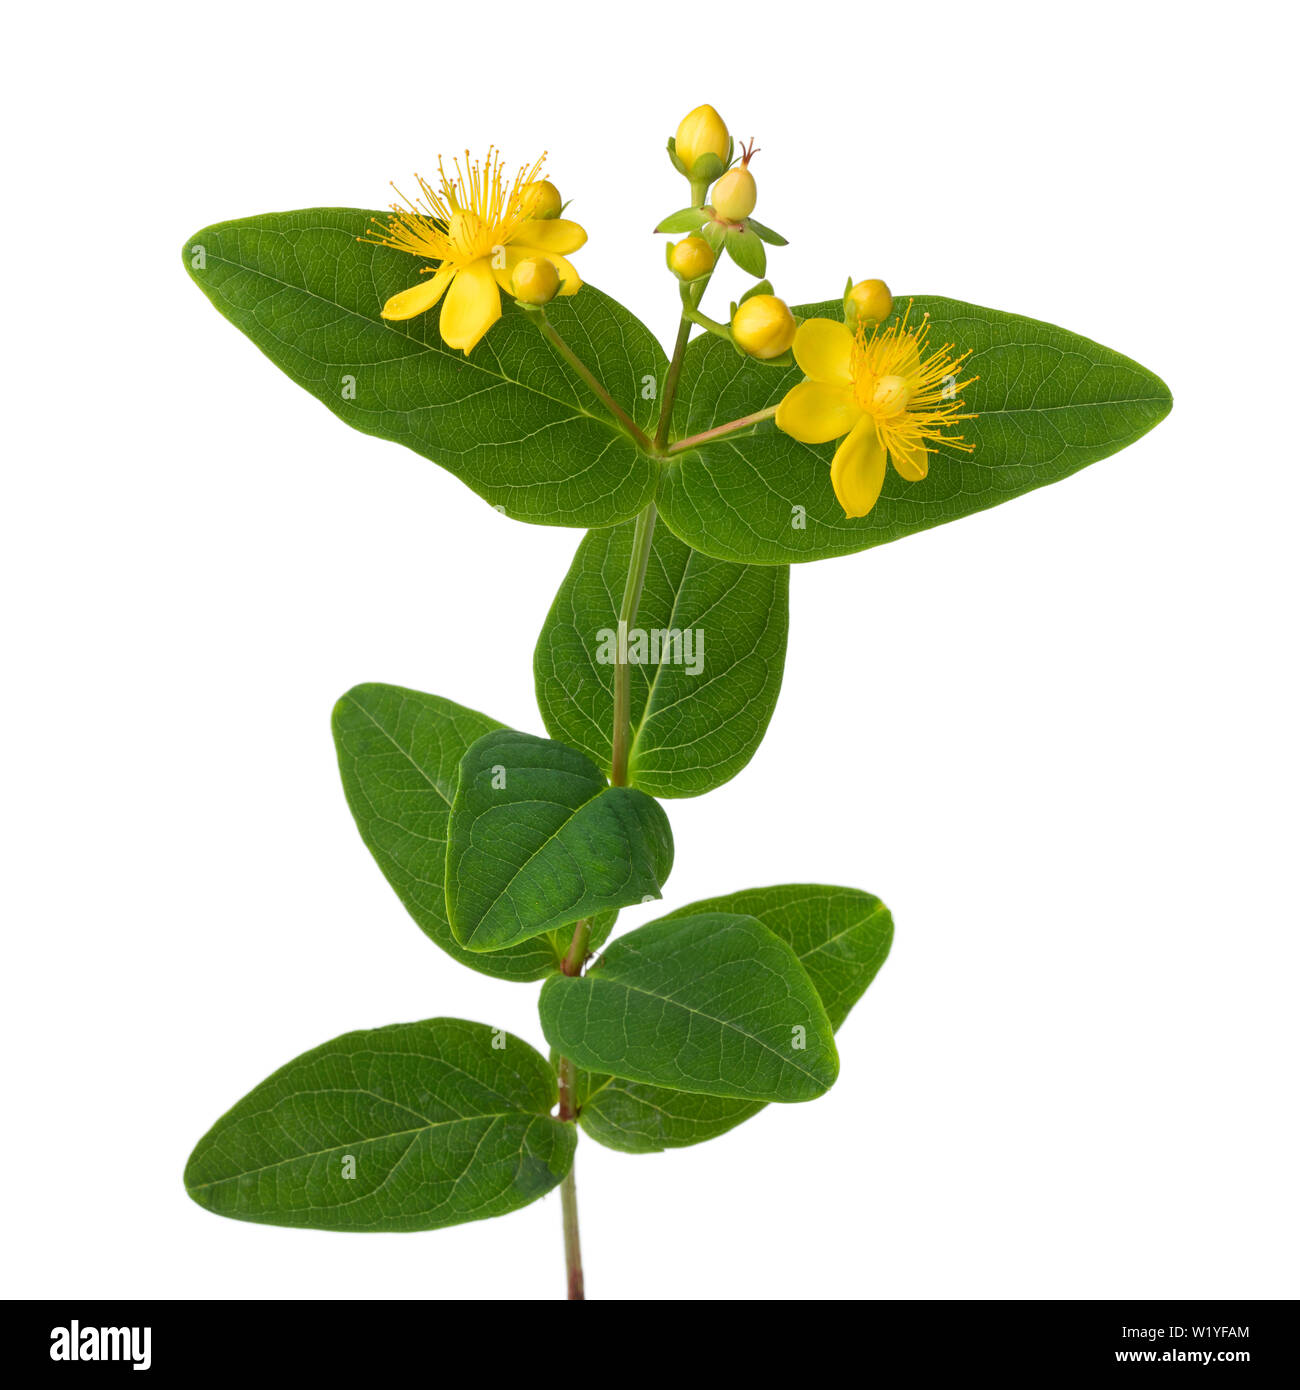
913 397
466 218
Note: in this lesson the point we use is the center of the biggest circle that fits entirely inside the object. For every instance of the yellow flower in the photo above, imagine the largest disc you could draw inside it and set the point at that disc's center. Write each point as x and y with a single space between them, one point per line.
477 225
884 391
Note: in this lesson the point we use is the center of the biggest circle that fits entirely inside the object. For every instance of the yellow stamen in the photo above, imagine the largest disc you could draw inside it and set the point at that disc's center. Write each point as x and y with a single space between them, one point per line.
913 397
468 216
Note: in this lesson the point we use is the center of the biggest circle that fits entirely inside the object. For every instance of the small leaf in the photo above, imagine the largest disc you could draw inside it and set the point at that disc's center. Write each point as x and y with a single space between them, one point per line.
747 251
841 937
405 1128
1049 402
539 839
399 758
686 220
765 233
708 650
511 420
712 1003
763 287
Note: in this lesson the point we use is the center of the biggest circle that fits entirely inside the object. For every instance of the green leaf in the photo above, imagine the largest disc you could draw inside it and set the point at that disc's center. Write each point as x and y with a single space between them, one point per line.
443 1121
399 757
511 419
841 937
1050 402
538 839
700 700
685 220
747 251
712 1003
765 233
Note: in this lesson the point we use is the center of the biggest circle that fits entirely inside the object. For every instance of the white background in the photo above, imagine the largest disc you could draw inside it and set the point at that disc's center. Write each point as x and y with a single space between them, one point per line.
1057 737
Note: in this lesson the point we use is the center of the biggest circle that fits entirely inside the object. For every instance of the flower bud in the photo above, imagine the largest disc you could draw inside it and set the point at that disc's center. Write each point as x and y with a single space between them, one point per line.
867 303
540 199
690 258
536 281
763 326
736 193
701 132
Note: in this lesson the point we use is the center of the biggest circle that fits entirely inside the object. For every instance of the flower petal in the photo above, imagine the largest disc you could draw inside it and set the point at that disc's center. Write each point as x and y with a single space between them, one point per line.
570 280
556 234
814 412
823 348
910 458
419 297
472 307
505 274
858 469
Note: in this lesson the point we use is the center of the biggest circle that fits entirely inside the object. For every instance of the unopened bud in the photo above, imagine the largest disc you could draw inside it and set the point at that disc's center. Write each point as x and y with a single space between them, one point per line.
540 199
868 303
536 281
701 132
691 258
763 326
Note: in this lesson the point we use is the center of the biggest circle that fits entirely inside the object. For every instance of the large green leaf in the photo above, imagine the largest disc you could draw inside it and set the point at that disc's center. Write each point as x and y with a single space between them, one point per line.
511 419
404 1128
712 1003
841 937
538 839
399 757
1049 402
700 710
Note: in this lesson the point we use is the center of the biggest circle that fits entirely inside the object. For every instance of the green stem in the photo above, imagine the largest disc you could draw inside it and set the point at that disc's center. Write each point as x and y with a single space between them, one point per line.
670 382
721 329
624 419
572 1241
636 568
567 1078
719 431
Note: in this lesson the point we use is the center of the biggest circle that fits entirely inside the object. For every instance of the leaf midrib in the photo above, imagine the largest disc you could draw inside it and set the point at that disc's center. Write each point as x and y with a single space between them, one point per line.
498 376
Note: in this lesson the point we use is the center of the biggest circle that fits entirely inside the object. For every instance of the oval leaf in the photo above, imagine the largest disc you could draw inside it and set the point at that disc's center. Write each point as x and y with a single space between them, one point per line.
511 419
538 839
405 1128
712 1003
841 937
708 652
399 758
1049 402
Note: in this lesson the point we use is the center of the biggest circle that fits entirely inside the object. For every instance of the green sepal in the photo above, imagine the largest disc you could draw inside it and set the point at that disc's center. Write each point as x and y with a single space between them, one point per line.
747 251
765 233
683 220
